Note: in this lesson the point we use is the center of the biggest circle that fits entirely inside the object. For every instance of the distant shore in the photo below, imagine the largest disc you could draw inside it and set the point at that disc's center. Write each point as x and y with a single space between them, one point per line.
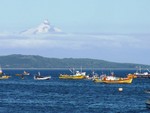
69 68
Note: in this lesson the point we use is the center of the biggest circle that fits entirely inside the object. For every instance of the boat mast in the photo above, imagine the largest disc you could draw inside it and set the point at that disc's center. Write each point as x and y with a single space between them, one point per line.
148 70
1 70
81 69
140 69
73 71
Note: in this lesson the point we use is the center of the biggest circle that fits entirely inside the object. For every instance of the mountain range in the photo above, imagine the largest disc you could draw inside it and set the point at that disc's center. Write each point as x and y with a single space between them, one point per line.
44 28
35 61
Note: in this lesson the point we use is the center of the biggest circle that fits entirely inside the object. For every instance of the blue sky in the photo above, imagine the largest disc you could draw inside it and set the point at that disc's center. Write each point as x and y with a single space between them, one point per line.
125 16
114 30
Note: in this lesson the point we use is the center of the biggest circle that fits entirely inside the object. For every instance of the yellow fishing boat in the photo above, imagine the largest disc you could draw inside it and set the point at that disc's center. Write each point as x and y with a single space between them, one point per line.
76 76
117 80
2 75
71 76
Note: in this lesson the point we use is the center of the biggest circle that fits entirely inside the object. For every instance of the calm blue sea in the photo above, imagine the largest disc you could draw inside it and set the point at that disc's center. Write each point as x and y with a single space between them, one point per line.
71 96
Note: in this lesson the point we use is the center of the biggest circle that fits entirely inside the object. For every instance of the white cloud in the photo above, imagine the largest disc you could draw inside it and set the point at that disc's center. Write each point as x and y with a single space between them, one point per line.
73 41
122 48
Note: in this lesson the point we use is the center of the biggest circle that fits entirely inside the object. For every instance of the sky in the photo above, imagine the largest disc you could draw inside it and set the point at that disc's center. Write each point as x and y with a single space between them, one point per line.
112 30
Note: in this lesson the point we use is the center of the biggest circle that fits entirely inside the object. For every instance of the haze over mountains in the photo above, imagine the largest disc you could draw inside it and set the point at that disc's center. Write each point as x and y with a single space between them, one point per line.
34 61
48 40
43 28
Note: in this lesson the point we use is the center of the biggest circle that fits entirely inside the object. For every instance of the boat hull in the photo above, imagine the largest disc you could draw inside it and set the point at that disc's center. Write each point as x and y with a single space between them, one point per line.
121 81
4 77
143 76
124 81
97 80
148 104
75 77
42 78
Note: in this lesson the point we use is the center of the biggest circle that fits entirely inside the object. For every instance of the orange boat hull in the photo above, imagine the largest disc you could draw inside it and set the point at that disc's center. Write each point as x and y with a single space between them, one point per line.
121 81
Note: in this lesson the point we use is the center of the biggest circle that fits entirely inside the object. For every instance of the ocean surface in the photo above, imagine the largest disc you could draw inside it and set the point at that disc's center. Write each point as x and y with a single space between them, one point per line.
71 96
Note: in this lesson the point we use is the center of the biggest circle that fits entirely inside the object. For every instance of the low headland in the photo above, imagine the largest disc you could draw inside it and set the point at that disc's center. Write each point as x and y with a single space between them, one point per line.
18 61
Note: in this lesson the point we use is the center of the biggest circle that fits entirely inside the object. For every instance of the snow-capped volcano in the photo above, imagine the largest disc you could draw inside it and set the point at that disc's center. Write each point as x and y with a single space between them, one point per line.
43 28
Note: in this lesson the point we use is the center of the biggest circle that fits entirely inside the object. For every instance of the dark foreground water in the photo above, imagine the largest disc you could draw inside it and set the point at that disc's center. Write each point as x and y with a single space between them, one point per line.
71 96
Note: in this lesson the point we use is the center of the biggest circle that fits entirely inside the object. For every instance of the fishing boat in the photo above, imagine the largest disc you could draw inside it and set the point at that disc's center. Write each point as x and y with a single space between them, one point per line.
26 73
147 91
132 75
76 76
23 74
71 76
113 79
42 77
140 74
148 103
39 77
2 75
92 76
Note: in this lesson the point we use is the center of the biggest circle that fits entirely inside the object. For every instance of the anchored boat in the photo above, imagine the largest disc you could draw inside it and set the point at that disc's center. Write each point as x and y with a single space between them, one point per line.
39 77
77 75
140 74
26 73
71 76
2 75
42 78
148 103
113 79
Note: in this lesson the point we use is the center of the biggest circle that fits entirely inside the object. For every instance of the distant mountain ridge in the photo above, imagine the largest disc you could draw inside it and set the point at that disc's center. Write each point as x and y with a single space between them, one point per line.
34 61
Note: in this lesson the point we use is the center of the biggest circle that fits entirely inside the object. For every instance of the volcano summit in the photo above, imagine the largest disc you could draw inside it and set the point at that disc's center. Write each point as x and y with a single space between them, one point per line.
43 28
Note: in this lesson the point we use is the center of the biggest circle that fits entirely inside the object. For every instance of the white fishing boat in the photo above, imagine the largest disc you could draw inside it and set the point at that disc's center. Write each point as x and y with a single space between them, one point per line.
39 77
148 103
140 74
26 73
147 91
92 76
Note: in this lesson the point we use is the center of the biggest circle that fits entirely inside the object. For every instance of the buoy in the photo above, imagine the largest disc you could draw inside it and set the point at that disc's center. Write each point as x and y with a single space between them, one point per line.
120 89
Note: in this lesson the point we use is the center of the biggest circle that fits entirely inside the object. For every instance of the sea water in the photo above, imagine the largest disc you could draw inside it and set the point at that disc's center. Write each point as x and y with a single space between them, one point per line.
71 96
